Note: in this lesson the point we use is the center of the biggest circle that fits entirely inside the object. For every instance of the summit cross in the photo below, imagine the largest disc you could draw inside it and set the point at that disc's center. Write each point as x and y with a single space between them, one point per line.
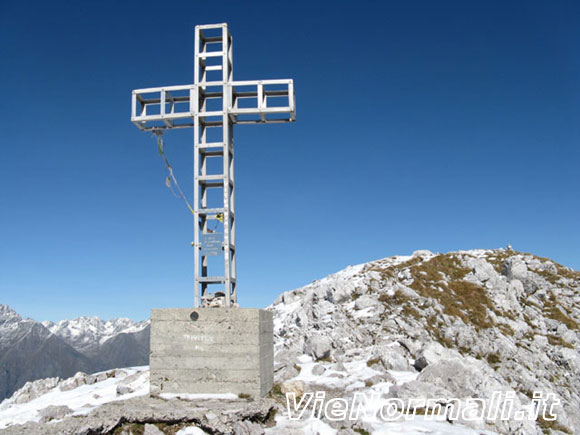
212 105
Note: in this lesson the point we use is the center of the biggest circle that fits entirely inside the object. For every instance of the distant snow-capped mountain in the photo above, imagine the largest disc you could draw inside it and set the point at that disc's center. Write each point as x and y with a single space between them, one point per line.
31 350
86 333
8 315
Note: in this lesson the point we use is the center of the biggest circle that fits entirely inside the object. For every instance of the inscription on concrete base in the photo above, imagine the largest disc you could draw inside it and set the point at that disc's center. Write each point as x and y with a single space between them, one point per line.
211 351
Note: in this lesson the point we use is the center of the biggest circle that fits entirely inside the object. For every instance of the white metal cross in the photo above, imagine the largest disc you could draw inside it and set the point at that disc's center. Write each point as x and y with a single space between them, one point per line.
211 106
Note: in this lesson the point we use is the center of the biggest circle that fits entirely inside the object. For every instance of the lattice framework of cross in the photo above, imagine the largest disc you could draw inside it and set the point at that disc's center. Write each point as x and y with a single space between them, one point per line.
212 105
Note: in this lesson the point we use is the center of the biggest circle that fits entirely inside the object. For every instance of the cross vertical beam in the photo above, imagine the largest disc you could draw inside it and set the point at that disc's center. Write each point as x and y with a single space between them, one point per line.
214 140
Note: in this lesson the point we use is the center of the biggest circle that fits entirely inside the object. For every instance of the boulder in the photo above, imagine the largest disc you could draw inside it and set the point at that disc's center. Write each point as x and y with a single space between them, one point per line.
54 413
124 389
285 365
391 355
454 375
424 254
318 370
74 382
418 390
395 361
296 387
482 270
420 363
318 346
515 268
516 288
432 353
102 377
377 379
248 428
151 429
366 301
283 372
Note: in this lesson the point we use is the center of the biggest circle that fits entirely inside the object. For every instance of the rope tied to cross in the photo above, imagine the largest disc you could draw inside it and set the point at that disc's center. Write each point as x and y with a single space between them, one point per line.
171 181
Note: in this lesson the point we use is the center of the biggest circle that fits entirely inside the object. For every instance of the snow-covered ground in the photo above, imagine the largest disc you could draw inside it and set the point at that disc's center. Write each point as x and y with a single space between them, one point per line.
81 400
85 398
353 378
418 426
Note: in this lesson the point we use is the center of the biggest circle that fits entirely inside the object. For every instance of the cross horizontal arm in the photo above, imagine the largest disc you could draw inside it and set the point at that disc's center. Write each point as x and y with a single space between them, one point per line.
250 102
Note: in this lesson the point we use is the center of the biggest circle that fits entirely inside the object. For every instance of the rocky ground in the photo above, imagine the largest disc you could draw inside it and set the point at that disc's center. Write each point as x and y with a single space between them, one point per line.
118 402
460 325
468 323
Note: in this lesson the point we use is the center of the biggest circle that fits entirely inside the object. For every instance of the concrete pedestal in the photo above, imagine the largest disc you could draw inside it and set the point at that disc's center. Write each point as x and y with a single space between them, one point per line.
211 350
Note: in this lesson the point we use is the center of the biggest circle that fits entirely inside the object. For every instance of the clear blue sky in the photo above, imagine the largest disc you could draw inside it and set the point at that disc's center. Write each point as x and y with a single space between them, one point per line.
421 125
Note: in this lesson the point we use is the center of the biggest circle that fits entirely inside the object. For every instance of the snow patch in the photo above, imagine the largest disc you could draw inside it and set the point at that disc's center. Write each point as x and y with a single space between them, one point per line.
192 430
82 400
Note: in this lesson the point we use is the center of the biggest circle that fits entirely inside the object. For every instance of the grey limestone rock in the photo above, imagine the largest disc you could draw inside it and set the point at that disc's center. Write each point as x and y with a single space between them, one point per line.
518 330
318 346
318 370
248 428
52 412
151 429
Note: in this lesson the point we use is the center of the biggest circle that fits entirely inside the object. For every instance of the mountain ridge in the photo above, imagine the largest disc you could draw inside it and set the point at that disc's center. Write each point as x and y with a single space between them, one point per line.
85 332
31 350
512 316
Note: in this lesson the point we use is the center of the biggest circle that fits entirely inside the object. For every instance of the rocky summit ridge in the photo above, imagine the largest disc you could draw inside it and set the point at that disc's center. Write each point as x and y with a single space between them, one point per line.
469 322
